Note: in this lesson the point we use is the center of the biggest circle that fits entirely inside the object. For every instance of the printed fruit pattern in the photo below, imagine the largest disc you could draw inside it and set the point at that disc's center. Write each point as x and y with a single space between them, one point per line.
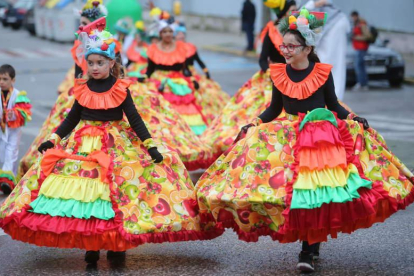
248 183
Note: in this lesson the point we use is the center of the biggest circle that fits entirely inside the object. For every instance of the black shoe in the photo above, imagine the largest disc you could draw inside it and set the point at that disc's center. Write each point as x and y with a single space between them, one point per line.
92 257
316 253
118 255
305 263
6 188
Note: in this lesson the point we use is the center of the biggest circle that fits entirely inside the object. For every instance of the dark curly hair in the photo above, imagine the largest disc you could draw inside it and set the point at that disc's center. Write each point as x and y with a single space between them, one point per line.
91 14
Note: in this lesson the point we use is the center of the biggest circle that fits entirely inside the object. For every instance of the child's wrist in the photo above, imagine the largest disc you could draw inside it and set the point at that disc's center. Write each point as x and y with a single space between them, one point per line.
149 143
54 138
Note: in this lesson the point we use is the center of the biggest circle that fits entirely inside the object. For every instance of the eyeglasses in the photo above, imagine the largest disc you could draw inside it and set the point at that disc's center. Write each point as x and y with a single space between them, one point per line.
289 47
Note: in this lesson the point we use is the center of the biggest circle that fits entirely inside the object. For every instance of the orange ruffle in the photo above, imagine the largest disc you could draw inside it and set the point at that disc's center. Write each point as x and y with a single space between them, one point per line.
191 49
53 155
275 36
179 55
265 30
299 90
133 55
105 100
325 156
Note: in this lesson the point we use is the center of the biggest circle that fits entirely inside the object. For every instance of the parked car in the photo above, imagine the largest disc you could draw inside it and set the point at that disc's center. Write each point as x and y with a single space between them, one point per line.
382 63
29 22
4 7
16 14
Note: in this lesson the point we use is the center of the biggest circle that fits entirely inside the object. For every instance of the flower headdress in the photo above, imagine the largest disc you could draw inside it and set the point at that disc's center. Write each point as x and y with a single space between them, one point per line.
309 24
95 40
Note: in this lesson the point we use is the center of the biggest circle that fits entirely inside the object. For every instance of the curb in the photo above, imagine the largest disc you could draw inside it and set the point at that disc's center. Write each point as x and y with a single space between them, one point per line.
409 80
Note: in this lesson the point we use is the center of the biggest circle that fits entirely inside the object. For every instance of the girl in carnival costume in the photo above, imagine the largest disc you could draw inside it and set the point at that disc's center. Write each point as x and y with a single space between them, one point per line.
211 97
107 184
15 112
92 11
168 70
137 52
255 95
311 173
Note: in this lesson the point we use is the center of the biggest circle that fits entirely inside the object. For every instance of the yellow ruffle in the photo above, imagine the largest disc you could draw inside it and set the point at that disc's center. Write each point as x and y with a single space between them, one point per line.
90 144
71 187
193 120
329 177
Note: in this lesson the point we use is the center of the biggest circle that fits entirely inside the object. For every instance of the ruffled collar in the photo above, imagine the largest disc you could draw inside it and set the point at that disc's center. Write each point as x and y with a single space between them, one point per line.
133 54
191 49
275 37
265 30
179 55
112 98
303 89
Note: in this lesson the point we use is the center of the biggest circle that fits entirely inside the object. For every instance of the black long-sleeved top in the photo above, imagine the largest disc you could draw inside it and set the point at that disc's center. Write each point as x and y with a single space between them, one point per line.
324 96
269 51
196 57
152 67
79 112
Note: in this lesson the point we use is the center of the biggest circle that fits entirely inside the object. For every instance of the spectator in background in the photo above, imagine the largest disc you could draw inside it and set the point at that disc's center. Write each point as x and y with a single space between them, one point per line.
248 18
360 37
332 46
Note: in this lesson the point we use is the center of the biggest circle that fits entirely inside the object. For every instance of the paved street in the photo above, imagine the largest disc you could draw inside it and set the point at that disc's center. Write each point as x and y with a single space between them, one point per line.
385 249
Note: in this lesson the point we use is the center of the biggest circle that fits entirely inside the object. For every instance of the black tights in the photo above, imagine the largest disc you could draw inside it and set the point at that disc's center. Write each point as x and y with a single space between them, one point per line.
313 248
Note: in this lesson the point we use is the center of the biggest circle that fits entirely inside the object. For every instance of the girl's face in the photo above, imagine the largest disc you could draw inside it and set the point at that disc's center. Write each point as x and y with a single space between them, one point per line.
154 40
293 51
84 21
166 35
180 36
99 66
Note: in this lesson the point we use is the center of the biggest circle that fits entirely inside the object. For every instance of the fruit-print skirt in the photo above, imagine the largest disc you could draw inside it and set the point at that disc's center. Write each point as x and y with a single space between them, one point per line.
99 189
304 178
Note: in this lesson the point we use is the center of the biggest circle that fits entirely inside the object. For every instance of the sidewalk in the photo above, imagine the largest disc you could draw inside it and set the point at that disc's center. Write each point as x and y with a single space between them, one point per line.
234 44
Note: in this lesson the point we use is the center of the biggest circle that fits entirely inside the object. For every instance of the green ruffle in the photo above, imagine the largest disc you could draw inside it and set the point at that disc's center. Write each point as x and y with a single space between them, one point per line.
57 207
7 174
319 114
198 130
310 199
178 89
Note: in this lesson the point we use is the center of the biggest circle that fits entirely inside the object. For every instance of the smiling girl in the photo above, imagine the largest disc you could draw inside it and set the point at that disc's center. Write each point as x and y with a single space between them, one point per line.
311 173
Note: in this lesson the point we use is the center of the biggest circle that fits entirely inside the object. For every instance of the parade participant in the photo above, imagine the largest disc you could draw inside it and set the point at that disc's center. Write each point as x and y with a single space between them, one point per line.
211 97
253 97
15 112
167 68
124 35
312 173
92 11
103 183
332 47
137 52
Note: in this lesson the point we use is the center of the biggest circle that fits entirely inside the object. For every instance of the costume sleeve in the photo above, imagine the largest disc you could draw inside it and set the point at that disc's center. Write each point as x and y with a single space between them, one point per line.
134 118
186 69
331 100
71 120
199 61
150 68
265 53
275 107
21 110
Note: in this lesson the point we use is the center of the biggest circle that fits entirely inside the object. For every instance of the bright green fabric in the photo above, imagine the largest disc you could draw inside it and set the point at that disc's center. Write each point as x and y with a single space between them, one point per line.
22 99
7 174
198 130
319 114
310 199
136 74
178 89
57 207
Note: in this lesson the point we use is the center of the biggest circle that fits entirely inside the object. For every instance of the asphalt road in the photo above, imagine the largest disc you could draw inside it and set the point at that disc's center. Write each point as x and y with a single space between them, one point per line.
384 249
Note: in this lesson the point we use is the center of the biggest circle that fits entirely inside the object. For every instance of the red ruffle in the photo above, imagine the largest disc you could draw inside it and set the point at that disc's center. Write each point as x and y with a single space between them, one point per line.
201 163
8 181
319 132
174 99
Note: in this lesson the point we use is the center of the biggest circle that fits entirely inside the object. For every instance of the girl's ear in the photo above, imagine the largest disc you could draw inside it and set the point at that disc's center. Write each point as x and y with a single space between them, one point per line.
112 63
308 49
